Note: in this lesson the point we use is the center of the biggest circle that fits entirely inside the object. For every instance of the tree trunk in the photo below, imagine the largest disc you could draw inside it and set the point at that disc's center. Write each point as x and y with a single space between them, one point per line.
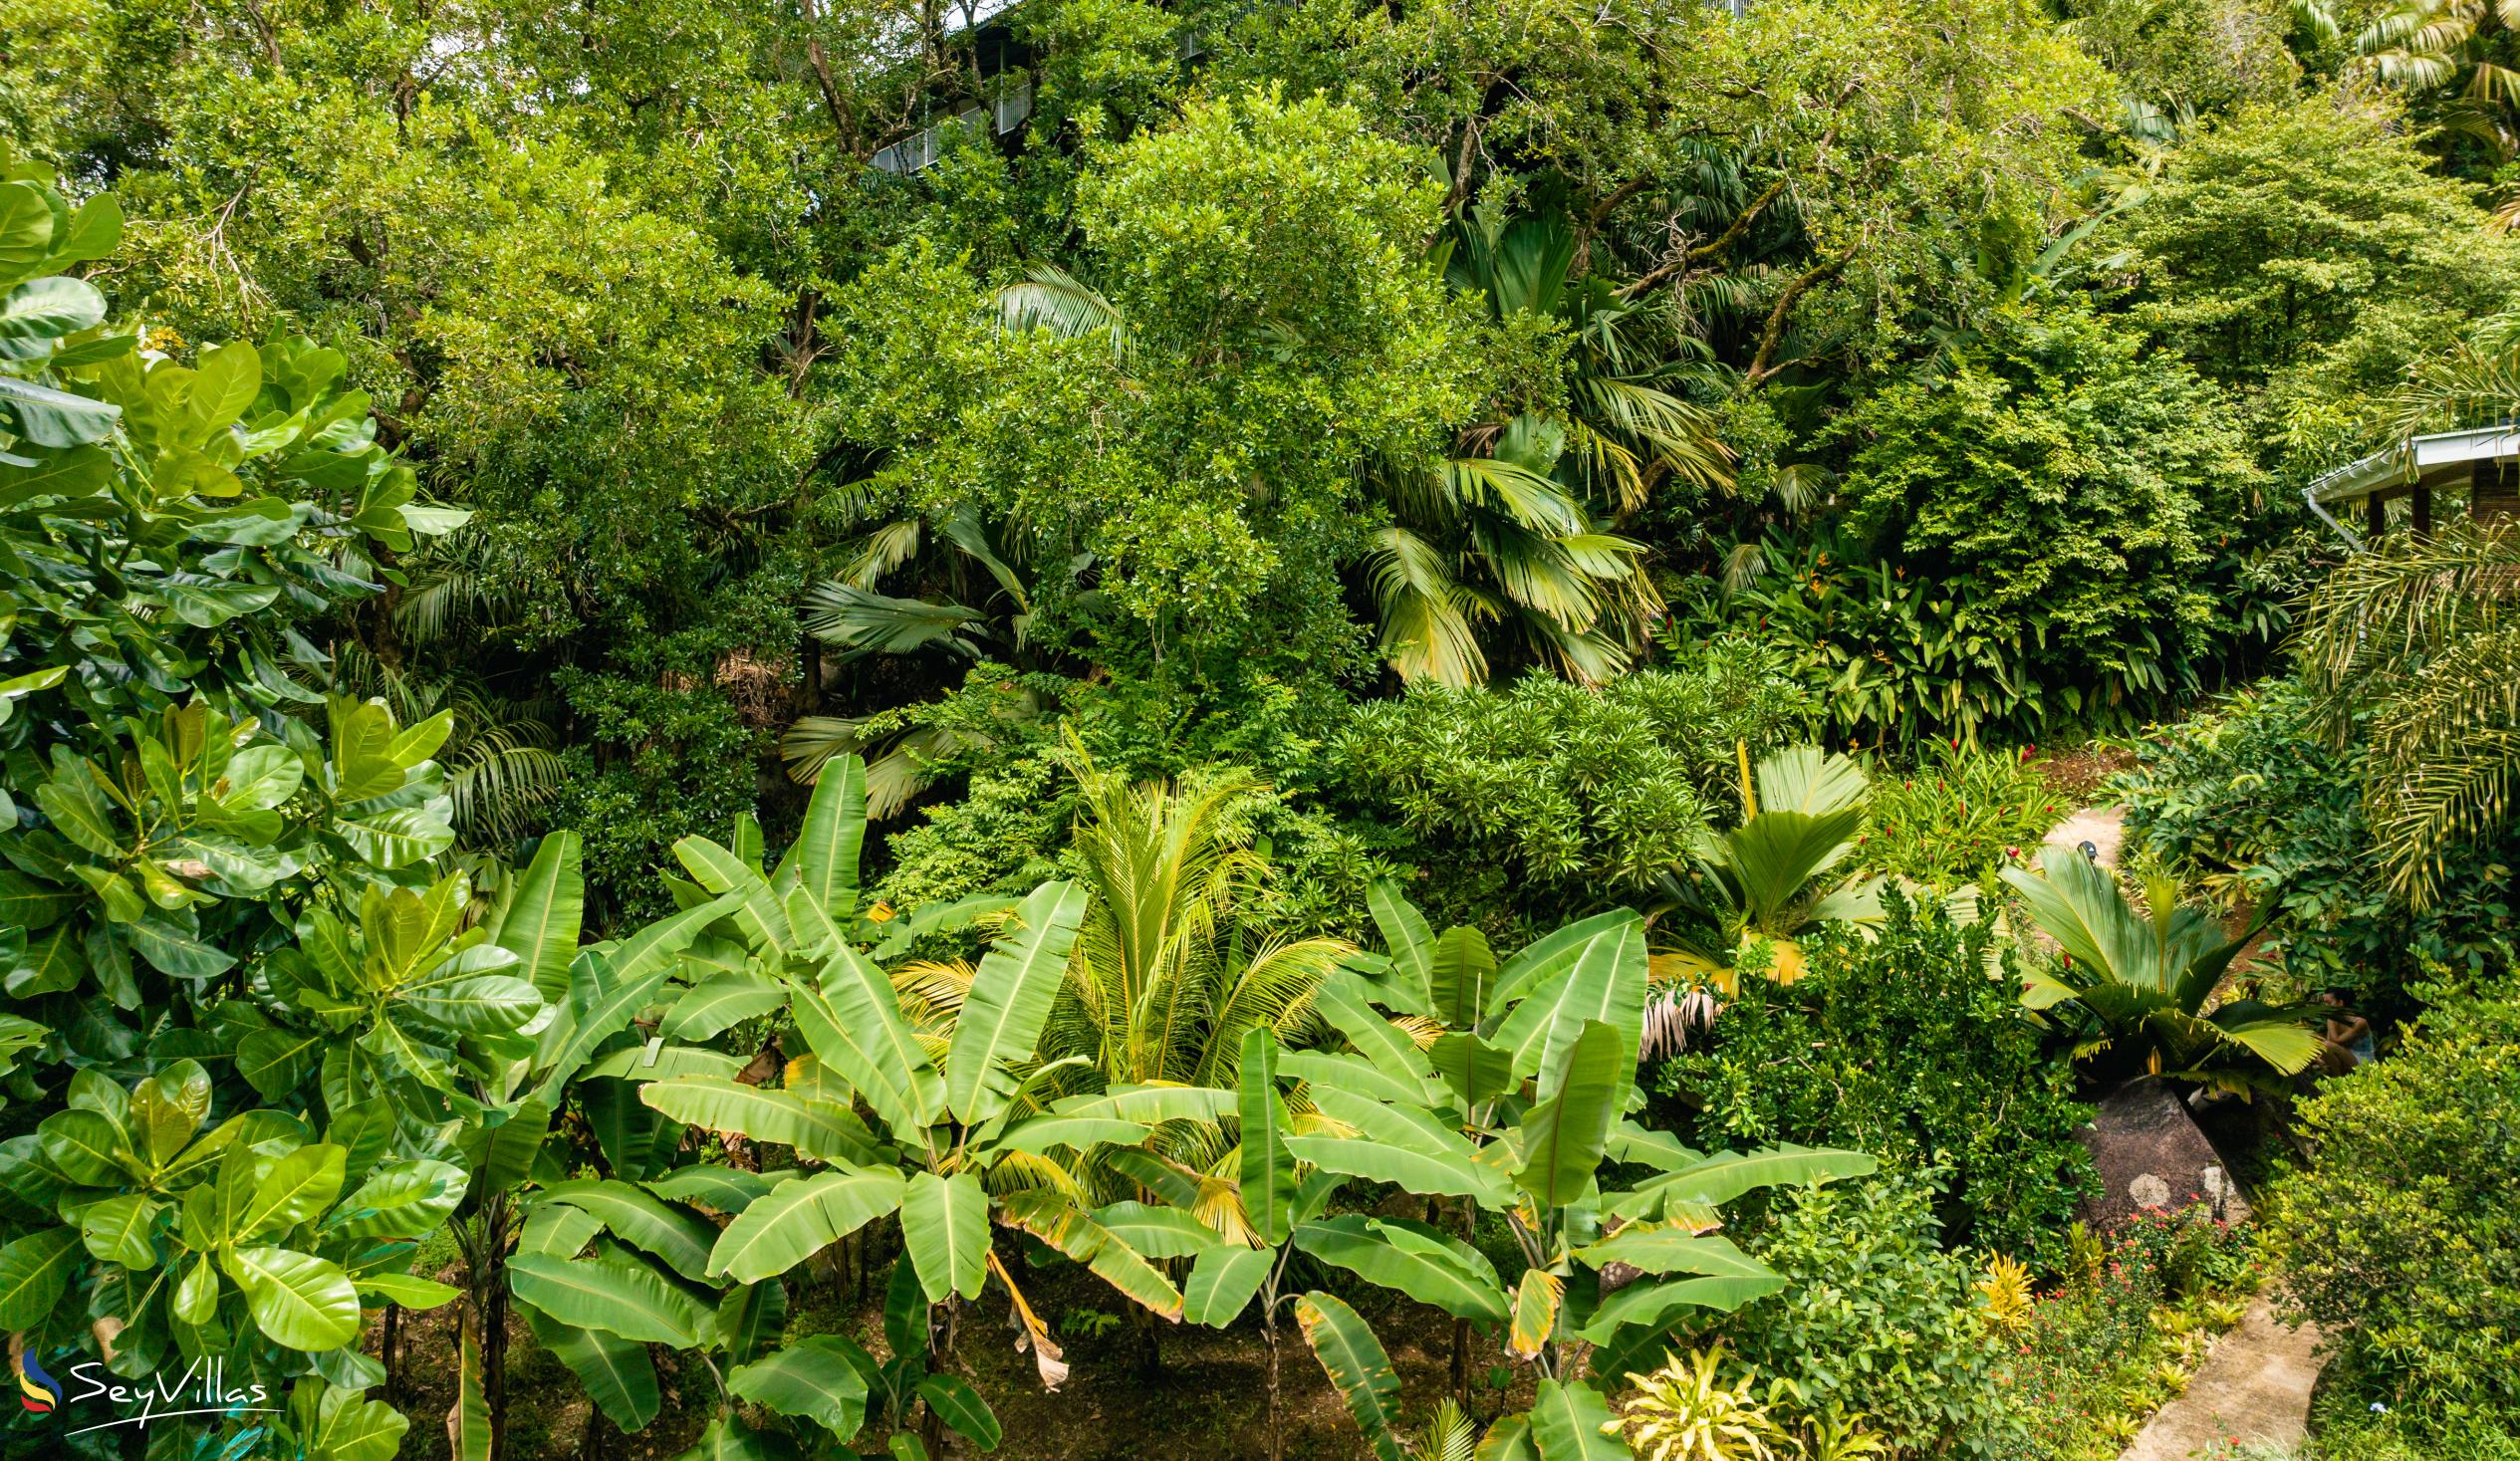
389 1353
1269 1325
494 1356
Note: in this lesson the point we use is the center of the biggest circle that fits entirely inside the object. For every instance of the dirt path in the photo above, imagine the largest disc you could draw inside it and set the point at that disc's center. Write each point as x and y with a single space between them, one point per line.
2254 1387
2105 828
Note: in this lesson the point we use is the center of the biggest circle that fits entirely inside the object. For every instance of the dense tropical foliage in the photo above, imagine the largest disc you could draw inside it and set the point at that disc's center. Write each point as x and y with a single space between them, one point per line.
696 701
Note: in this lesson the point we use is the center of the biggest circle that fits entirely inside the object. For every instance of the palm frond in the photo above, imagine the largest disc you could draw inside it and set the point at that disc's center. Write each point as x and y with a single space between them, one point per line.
1426 632
1052 299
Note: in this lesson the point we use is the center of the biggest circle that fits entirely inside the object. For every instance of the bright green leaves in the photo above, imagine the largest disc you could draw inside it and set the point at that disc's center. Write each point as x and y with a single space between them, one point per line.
1222 1282
814 1378
1267 1171
1563 1134
853 1020
300 1301
945 1225
799 1219
1011 994
612 1294
1357 1367
1567 1421
34 1273
1448 1274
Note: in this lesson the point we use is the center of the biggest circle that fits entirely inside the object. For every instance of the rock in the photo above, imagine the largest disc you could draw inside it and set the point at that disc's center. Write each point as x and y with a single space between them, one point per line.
2152 1155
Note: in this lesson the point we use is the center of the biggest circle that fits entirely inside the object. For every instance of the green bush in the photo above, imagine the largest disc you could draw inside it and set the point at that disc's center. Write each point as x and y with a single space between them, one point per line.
1545 791
2251 802
1905 1046
2403 1238
1957 815
1874 1318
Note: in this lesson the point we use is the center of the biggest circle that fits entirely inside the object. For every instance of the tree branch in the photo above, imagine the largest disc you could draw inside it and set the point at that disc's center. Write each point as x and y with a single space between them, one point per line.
1701 253
1773 334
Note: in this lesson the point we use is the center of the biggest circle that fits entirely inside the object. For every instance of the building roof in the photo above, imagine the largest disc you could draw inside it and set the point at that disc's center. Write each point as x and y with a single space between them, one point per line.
2424 459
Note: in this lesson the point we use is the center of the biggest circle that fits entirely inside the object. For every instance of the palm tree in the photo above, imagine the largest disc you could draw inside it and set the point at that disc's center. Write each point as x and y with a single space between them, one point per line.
2417 643
1768 878
2429 45
2142 981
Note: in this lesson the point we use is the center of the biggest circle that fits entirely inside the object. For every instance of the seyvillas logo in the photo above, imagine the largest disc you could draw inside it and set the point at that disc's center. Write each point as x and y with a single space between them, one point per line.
37 1391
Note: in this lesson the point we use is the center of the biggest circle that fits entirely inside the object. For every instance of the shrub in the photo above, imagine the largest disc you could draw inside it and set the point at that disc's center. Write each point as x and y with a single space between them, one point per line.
2250 801
1905 1046
1957 815
1875 1319
1547 790
2403 1238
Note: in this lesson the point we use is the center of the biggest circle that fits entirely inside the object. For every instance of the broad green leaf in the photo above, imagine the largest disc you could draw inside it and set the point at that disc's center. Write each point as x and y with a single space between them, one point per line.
962 1410
1547 957
824 1132
1652 1303
1156 1232
34 1271
1606 983
814 1379
1474 1070
54 418
1415 1171
797 1220
835 830
1222 1282
612 1294
197 1294
1464 970
1357 1367
854 1022
722 1001
1347 1073
1010 996
1267 1167
117 1229
351 1428
1341 1001
617 1373
1049 1216
1423 1272
726 1189
1037 1134
299 1300
487 1004
298 1186
1564 1135
945 1225
87 1147
538 920
408 1290
749 1319
657 1061
276 1062
1567 1421
1411 944
1725 1176
645 1221
1656 1250
1508 1439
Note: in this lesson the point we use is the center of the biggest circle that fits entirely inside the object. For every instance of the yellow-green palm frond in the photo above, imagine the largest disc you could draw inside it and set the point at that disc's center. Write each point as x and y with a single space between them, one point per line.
1426 613
2446 758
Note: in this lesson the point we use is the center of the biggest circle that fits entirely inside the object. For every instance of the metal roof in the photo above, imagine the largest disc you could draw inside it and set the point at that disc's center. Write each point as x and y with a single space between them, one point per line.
2416 460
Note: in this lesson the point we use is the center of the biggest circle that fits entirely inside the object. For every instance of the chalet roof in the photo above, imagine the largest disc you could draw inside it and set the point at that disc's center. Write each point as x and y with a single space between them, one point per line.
2424 459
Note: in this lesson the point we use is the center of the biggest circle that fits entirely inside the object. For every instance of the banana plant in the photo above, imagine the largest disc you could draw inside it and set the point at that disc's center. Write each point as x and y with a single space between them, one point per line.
2138 984
1516 1112
833 1111
1767 878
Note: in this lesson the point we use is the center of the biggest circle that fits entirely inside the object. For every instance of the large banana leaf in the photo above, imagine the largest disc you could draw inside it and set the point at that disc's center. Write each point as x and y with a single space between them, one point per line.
1050 1217
1357 1367
1221 1283
814 1378
1323 1069
1157 1232
1411 944
1652 1305
1566 1424
642 1219
1564 1133
721 1000
1011 994
828 845
854 1022
1413 1169
617 1374
1673 1250
468 1423
819 1130
539 918
1462 972
797 1220
760 917
1267 1170
1546 957
1721 1179
1537 1299
945 1225
1424 1271
1341 999
615 1295
1607 982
